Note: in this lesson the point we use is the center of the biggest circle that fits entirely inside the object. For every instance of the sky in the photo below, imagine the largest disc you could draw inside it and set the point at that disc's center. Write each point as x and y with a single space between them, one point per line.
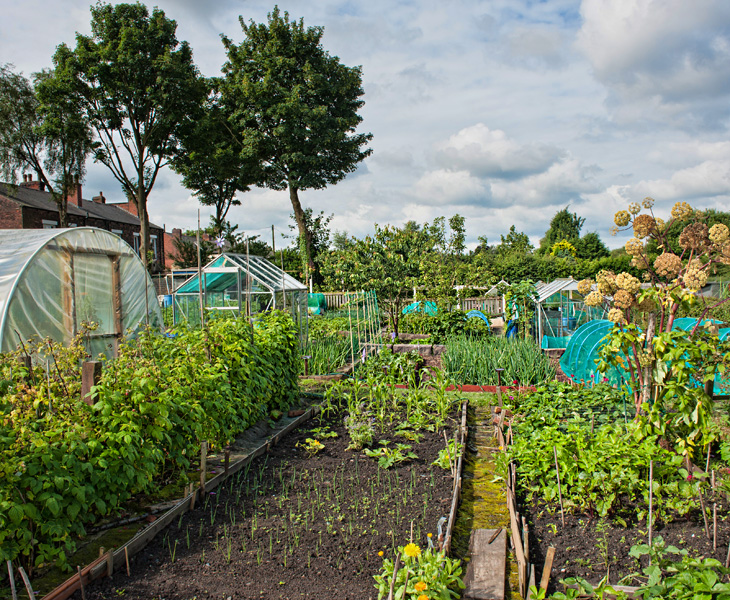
504 111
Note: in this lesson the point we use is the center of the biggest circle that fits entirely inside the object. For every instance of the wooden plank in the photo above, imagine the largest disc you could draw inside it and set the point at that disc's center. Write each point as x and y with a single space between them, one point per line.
547 568
457 484
486 572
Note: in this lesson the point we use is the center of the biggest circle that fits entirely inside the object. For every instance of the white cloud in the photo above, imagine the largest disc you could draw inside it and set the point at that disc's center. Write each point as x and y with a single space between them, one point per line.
445 188
490 153
661 59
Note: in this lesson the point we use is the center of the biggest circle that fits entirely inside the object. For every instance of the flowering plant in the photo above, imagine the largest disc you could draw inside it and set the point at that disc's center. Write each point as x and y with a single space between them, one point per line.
665 367
422 573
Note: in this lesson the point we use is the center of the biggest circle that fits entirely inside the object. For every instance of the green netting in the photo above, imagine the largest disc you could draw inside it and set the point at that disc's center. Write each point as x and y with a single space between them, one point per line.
581 354
549 341
317 304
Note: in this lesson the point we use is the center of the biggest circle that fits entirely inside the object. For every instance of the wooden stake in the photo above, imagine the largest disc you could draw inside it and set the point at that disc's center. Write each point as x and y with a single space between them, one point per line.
26 581
13 591
727 558
227 459
560 491
110 563
203 467
494 535
81 583
545 579
126 560
651 498
396 566
707 467
714 526
704 514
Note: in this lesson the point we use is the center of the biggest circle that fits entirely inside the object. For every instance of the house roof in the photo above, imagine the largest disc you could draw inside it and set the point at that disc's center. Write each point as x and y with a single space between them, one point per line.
30 197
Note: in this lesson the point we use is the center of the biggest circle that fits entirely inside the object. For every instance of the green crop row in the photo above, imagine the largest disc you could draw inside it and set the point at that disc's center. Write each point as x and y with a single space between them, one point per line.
64 463
475 361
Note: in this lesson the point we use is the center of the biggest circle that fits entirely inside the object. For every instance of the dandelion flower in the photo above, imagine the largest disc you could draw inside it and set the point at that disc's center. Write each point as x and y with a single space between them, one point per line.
380 553
421 586
430 535
412 551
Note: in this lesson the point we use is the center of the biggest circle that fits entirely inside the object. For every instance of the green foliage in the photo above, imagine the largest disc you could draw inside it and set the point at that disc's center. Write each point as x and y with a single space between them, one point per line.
686 578
603 460
210 161
431 573
136 83
391 367
564 226
389 263
444 325
65 463
43 129
294 108
328 354
187 252
448 455
474 361
390 457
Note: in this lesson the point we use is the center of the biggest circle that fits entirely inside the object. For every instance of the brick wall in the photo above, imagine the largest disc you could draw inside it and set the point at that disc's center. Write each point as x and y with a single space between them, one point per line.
11 217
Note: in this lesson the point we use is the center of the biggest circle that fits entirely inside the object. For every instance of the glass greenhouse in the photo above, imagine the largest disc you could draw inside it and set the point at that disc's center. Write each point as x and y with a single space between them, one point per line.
245 285
54 280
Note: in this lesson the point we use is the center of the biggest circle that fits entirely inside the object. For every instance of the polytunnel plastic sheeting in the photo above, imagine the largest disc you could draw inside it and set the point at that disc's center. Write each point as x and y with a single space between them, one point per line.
579 358
52 280
688 323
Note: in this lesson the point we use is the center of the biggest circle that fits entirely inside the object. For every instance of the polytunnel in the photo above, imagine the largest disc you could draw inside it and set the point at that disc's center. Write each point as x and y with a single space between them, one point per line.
54 280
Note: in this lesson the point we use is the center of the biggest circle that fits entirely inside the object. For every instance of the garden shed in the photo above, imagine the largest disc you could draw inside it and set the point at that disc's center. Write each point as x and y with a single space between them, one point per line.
243 284
54 280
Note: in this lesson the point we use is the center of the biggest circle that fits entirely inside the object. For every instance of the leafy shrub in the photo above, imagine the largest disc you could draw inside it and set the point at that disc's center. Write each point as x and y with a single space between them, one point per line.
64 463
444 325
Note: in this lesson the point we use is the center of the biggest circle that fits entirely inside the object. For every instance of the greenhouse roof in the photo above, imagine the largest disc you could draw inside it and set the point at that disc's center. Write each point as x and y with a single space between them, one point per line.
559 285
223 273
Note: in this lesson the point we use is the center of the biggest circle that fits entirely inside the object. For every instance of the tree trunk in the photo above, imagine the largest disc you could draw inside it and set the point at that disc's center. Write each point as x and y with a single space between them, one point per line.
647 369
63 211
144 224
303 231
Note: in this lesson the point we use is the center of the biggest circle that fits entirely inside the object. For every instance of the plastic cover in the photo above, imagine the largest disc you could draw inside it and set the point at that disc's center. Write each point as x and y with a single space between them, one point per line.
52 280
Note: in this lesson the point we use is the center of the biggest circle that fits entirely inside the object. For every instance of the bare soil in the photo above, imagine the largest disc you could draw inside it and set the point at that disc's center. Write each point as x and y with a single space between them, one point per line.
294 526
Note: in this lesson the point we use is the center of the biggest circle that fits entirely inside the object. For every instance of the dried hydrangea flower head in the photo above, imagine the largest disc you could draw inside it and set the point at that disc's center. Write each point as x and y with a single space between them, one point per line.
681 211
594 299
694 237
626 281
622 218
659 224
694 278
584 287
623 299
617 316
719 234
634 208
667 265
644 226
647 202
634 247
606 282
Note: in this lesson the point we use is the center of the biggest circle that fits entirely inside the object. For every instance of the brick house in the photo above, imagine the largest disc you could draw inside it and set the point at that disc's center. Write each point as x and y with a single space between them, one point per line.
29 206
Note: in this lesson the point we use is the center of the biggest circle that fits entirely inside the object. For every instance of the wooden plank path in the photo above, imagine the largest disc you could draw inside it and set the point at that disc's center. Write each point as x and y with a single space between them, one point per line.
487 569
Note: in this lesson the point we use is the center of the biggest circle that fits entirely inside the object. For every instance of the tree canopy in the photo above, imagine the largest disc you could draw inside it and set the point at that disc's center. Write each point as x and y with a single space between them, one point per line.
136 83
43 129
294 107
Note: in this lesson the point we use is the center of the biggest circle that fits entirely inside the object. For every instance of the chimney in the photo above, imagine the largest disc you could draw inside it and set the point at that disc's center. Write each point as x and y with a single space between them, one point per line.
176 232
100 198
74 194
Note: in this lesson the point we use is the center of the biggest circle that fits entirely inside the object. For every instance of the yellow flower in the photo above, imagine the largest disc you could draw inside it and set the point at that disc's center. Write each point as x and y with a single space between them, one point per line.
422 597
380 553
421 586
634 208
648 202
622 218
430 535
412 551
681 211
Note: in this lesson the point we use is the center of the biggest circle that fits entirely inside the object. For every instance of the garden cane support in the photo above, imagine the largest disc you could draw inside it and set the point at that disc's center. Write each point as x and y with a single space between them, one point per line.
13 591
560 491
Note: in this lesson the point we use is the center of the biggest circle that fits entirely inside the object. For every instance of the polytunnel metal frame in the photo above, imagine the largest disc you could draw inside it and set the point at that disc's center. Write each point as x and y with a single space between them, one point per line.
28 283
243 284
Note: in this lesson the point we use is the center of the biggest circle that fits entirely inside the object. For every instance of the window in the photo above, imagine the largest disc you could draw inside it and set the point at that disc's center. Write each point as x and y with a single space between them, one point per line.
49 224
118 232
73 224
153 243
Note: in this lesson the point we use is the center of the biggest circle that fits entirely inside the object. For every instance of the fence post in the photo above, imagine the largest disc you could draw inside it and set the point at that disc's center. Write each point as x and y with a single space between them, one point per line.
90 376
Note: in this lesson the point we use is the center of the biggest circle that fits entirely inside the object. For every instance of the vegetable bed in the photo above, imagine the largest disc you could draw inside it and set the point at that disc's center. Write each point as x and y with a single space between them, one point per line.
303 521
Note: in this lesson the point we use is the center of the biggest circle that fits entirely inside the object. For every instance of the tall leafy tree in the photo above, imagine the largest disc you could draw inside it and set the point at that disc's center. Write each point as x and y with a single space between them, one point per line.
295 107
136 83
42 128
563 226
210 161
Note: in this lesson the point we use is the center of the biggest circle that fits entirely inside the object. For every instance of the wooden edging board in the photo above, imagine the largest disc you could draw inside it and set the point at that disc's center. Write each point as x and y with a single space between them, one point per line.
457 480
118 559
